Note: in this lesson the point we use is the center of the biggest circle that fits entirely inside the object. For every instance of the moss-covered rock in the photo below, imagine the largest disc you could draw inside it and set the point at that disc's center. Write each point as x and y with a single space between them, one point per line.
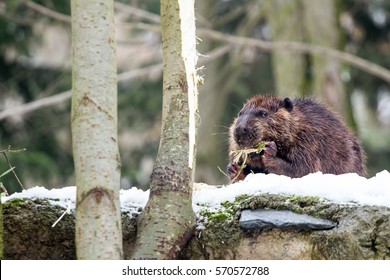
28 231
362 232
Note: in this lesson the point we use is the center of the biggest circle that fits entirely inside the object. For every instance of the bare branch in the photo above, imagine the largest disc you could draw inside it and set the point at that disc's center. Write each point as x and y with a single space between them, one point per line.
61 97
215 54
140 26
47 12
139 13
299 47
149 71
362 64
34 105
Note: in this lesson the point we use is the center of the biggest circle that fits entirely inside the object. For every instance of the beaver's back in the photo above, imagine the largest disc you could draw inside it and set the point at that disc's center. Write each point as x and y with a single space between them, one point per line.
326 139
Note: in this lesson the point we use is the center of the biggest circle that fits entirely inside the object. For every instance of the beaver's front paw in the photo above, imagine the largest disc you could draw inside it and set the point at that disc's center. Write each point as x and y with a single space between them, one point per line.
269 154
235 172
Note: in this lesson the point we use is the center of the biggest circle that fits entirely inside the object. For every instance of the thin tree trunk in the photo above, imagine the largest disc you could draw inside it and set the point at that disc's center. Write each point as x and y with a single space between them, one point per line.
285 19
167 221
94 131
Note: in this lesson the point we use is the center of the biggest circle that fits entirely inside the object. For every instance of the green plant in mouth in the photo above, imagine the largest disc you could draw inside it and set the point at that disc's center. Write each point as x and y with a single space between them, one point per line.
241 155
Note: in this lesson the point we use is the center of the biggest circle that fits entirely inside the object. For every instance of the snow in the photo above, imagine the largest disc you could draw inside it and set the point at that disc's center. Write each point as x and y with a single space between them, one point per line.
343 189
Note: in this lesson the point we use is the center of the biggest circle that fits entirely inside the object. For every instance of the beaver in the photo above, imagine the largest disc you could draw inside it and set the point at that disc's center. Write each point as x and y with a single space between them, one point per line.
301 136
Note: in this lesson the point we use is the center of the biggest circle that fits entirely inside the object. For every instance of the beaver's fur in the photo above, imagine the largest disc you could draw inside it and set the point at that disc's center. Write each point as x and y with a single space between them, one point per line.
302 136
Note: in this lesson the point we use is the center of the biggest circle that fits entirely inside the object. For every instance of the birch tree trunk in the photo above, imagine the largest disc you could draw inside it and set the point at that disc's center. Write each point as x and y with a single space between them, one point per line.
94 131
167 221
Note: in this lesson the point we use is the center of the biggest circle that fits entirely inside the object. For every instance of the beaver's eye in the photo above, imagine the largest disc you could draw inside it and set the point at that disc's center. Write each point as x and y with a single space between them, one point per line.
262 113
240 113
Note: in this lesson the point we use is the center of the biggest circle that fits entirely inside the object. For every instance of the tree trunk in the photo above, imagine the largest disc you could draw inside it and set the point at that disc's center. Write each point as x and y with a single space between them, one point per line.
285 19
167 221
94 131
321 28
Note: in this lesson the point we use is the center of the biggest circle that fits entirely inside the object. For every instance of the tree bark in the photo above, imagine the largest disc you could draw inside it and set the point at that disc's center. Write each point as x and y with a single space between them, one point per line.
94 131
168 220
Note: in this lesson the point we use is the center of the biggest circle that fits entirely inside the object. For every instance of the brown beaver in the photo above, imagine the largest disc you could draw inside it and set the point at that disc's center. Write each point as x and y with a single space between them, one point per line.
301 136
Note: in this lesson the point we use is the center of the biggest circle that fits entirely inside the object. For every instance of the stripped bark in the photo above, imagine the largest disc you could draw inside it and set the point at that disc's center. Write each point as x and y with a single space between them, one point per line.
167 221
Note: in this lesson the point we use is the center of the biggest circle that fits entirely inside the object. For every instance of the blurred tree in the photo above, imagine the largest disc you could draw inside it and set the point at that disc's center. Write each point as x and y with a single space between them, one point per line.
94 131
167 221
285 20
221 78
297 74
320 22
366 26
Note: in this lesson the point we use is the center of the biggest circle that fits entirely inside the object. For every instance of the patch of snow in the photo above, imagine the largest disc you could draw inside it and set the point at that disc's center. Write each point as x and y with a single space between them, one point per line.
59 197
343 189
131 199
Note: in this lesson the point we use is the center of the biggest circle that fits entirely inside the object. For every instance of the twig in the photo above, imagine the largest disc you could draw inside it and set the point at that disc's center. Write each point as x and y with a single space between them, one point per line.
67 211
9 150
3 189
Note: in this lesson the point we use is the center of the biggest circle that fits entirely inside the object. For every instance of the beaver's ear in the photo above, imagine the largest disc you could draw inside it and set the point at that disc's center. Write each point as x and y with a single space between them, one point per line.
288 104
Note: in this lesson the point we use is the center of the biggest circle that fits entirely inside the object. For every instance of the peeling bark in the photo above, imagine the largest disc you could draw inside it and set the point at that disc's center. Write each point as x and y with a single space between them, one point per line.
167 222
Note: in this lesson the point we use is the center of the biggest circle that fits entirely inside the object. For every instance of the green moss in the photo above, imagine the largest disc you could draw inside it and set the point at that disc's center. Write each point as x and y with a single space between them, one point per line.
241 197
16 201
213 216
305 200
219 216
294 198
227 204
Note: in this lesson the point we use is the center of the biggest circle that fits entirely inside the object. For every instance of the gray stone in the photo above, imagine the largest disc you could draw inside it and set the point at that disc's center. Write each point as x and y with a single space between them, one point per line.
267 218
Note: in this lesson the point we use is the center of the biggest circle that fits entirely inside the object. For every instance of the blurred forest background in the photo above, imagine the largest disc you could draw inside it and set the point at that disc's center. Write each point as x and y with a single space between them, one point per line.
35 69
